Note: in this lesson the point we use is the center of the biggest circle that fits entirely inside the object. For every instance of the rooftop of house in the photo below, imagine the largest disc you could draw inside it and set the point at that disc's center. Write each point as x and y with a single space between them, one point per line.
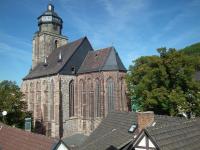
13 138
182 135
166 131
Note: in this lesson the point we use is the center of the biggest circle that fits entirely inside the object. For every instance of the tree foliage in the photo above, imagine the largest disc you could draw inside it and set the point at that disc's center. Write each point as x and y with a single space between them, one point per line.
193 49
165 84
11 101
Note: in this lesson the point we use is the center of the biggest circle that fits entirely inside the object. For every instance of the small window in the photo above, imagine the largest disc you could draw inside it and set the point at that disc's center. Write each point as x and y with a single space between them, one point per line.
56 43
73 70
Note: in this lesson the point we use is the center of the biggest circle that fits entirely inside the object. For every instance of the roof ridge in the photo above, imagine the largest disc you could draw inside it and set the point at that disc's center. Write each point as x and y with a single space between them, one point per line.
105 48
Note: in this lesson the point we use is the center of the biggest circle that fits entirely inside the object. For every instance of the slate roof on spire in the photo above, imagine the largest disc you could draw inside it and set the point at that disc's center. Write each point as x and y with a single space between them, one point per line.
105 59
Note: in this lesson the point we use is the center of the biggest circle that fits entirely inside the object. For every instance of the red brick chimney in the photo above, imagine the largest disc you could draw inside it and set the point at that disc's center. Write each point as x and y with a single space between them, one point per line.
145 119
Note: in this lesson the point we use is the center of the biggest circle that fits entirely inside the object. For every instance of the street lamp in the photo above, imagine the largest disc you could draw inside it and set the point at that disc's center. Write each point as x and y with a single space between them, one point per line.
4 113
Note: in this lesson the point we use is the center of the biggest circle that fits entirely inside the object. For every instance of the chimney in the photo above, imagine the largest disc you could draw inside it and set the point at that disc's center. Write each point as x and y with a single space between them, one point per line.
145 119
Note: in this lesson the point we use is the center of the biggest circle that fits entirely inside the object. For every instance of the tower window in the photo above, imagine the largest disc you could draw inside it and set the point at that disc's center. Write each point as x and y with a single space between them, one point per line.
56 44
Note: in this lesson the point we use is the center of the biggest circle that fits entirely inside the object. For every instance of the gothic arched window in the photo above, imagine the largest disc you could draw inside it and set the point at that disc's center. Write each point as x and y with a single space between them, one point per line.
90 97
82 98
26 93
110 94
122 89
45 100
52 100
38 99
31 96
71 98
98 97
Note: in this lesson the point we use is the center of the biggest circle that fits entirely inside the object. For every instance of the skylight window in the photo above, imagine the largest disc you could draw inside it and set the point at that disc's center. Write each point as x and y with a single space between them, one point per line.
132 128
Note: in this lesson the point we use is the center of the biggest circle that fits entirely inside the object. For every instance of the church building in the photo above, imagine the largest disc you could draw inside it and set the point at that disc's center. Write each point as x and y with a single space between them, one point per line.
71 87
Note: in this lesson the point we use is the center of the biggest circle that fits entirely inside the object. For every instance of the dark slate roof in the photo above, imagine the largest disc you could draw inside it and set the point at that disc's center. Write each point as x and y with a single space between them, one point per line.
163 120
105 59
54 66
74 140
13 138
183 135
197 75
112 132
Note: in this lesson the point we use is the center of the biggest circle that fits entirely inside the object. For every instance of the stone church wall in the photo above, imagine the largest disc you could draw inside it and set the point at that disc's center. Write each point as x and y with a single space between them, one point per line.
91 105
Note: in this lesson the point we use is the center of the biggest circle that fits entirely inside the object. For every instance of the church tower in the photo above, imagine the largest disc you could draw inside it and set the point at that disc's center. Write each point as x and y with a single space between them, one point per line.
48 37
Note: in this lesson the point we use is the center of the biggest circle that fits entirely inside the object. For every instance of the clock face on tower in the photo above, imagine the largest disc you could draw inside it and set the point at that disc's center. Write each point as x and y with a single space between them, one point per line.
46 18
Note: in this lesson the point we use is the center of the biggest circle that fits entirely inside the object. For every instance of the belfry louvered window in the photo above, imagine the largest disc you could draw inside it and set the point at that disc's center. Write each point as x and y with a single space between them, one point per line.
98 98
110 94
71 98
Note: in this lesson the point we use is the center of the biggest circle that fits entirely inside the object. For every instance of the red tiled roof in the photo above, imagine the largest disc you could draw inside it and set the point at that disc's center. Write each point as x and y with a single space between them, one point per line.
16 139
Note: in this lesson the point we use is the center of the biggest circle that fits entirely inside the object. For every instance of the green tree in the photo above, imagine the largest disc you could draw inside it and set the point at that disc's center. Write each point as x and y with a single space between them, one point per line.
165 84
11 101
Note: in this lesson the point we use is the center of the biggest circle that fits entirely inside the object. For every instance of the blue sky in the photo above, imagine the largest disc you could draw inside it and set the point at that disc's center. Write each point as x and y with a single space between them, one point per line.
134 27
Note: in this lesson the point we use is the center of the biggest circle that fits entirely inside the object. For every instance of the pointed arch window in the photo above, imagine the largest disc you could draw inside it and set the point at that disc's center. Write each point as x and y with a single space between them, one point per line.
31 96
52 100
71 98
45 100
38 99
110 95
98 97
122 89
90 98
82 98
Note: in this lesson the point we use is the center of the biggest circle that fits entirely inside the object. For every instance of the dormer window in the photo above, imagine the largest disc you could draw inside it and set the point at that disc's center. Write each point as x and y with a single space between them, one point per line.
73 70
132 128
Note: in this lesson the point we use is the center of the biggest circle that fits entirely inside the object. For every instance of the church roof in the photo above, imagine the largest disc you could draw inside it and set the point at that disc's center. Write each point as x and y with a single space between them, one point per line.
55 66
80 57
102 60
